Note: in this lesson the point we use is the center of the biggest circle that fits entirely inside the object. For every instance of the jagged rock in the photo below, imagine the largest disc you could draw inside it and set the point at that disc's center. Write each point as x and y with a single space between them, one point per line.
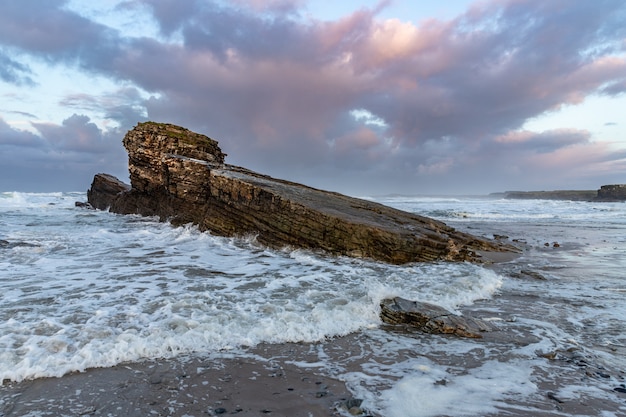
431 318
181 176
104 189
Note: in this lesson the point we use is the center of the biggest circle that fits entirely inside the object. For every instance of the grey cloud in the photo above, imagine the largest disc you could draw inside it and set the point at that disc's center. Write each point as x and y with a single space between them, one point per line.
125 105
281 7
14 72
50 31
615 88
44 26
542 142
63 157
17 138
171 15
21 113
76 134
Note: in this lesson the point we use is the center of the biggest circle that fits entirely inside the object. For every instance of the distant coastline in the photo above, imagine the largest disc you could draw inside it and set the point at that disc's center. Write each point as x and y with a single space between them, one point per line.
614 192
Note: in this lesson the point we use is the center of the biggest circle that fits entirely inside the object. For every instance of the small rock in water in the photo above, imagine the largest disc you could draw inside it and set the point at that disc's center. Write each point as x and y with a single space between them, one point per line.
352 406
431 318
533 274
549 355
553 397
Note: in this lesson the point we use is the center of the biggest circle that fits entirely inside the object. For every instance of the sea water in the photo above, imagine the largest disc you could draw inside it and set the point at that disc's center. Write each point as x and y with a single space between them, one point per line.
82 288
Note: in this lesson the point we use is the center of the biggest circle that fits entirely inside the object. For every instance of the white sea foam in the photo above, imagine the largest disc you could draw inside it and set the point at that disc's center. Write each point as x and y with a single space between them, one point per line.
432 390
90 289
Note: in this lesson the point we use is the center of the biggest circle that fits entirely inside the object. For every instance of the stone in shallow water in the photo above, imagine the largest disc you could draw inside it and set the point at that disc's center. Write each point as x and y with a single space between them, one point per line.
431 318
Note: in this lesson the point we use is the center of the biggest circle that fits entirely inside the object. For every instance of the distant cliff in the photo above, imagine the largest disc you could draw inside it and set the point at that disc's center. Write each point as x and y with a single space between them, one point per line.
616 192
572 195
605 193
181 176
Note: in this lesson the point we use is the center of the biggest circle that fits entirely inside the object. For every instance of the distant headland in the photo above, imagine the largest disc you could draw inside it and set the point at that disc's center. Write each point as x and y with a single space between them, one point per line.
614 192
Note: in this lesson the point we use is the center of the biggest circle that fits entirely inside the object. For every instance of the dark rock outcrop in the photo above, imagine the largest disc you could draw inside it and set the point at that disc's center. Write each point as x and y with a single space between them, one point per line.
104 190
180 176
615 192
431 318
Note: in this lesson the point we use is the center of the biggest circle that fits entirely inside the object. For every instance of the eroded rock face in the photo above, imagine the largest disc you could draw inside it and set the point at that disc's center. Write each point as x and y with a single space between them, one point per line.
431 318
180 176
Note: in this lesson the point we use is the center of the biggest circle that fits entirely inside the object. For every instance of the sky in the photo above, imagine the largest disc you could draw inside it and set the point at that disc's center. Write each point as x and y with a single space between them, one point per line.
361 97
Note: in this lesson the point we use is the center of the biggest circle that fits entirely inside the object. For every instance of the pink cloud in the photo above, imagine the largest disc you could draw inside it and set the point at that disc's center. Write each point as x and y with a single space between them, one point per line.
278 89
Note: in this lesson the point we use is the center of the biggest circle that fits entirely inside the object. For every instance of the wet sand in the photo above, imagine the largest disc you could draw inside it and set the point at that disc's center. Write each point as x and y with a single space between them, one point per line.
284 380
181 387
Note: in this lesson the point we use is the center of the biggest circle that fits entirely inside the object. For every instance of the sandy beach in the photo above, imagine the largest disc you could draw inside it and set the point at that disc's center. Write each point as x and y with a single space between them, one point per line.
278 380
183 387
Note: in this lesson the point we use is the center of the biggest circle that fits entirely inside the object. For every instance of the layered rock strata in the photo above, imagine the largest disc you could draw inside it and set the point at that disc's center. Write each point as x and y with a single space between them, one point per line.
181 176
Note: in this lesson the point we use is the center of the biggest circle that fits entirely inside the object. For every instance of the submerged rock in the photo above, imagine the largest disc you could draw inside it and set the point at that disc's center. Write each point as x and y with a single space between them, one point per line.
10 245
431 318
181 176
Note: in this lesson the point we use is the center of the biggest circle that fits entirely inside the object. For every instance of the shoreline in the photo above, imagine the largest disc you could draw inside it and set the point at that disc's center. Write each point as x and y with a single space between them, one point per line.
290 380
185 386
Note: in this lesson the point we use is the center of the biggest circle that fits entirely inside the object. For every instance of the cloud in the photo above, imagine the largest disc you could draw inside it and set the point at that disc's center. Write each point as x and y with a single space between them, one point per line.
17 138
615 88
273 6
279 91
126 106
61 157
14 72
544 142
76 134
47 28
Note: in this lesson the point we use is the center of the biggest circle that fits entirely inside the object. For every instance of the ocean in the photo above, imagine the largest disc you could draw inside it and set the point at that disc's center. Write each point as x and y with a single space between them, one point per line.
81 289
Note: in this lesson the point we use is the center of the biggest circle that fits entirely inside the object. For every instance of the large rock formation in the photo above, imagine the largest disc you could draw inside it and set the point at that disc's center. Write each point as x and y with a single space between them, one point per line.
180 176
